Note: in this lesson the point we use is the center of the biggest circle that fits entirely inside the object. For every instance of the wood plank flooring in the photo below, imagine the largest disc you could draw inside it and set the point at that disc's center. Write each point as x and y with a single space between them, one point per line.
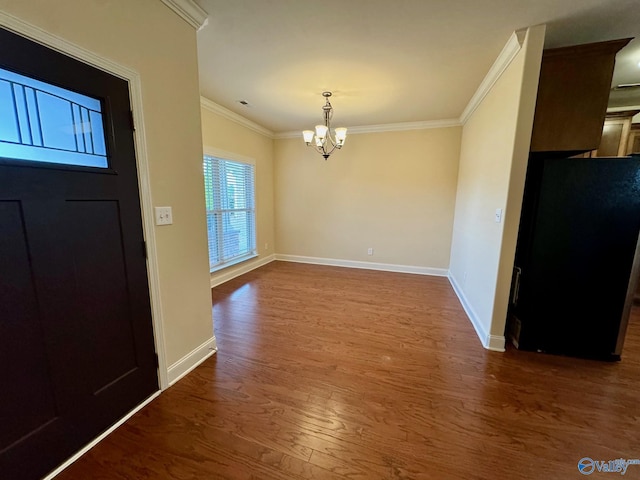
335 373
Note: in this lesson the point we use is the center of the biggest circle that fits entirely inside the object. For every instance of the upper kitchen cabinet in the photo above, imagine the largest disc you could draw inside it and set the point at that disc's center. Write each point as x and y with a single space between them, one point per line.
617 139
573 93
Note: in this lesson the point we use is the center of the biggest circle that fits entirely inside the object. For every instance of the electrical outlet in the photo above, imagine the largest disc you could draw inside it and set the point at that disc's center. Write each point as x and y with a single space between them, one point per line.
370 251
498 215
164 216
266 246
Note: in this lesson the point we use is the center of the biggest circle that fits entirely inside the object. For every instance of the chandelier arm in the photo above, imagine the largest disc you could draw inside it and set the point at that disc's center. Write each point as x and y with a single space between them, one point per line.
320 150
333 147
323 149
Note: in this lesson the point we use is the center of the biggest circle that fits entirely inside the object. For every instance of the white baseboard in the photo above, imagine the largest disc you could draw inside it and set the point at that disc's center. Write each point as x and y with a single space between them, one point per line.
496 343
240 269
490 342
191 360
387 267
104 435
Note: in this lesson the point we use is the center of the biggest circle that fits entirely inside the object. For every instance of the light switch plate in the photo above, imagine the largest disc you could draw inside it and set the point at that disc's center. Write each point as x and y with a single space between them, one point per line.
498 215
164 216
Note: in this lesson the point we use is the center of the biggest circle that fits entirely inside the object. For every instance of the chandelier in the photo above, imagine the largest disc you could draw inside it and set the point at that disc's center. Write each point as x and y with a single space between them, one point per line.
322 138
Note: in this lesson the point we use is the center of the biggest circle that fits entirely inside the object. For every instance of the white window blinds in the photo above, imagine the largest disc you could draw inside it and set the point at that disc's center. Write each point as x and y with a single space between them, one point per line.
230 203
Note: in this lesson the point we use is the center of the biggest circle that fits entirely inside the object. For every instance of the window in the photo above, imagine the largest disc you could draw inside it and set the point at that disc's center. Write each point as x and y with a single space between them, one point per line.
44 123
231 212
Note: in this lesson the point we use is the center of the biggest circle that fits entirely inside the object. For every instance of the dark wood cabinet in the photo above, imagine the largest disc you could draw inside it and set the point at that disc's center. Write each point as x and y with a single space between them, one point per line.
573 93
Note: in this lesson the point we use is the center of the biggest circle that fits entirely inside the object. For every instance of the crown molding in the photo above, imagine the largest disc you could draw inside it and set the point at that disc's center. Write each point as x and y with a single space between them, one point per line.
191 12
508 53
389 127
403 126
234 117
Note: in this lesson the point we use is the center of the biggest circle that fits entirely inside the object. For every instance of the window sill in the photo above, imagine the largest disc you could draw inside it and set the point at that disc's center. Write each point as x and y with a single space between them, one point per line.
232 262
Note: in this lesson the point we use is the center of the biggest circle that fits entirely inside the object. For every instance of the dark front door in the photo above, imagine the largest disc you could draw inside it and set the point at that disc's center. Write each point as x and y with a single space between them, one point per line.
76 337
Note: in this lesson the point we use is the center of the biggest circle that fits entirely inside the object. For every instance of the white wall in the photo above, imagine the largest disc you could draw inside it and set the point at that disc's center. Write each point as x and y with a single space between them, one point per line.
493 158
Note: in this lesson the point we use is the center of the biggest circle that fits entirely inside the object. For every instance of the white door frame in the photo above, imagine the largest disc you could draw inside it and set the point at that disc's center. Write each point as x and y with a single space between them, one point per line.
54 42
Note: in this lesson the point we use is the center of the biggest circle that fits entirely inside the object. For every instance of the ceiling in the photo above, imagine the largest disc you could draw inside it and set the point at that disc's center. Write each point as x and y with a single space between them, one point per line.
385 61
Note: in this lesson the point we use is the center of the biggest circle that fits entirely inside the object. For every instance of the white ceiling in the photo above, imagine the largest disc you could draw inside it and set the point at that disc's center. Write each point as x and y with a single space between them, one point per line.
385 61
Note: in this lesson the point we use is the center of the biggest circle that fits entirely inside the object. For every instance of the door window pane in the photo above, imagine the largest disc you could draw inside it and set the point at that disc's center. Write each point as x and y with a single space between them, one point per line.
44 123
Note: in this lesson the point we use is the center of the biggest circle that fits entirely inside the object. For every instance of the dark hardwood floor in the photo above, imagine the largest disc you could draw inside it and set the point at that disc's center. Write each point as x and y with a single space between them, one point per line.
335 373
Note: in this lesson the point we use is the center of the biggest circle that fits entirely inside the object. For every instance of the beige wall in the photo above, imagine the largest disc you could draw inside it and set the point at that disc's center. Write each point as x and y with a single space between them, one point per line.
392 191
493 158
397 192
149 38
226 135
533 46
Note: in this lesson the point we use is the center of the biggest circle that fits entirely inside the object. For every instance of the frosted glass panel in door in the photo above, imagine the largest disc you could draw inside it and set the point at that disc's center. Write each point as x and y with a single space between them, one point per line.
44 123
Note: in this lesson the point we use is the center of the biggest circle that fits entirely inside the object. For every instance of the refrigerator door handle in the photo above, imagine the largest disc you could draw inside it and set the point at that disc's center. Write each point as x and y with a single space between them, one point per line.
516 286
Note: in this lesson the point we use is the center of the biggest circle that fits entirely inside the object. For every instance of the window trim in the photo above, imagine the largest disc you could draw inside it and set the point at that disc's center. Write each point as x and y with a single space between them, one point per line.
231 263
235 157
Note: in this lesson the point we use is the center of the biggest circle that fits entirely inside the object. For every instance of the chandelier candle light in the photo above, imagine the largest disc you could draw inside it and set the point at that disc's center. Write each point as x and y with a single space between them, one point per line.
324 142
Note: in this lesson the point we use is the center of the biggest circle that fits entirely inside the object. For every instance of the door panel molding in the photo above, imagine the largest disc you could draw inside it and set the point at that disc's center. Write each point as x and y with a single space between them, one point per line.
59 44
